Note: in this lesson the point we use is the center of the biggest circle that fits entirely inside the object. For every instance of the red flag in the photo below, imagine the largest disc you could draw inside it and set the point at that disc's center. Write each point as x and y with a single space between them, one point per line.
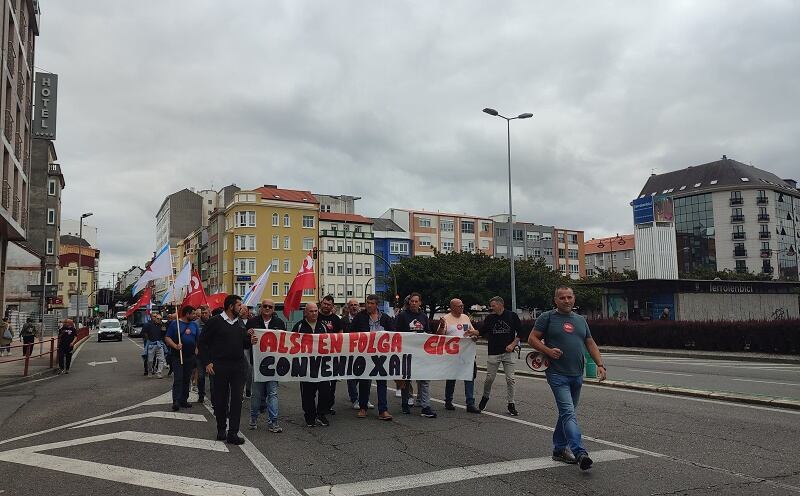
217 300
196 295
143 300
303 280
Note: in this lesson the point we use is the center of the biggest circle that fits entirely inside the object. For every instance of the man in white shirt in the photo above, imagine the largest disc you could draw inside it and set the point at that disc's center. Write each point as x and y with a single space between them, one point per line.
456 323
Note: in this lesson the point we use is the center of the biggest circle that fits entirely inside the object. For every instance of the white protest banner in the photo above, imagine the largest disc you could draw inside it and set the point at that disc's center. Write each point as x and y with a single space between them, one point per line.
292 356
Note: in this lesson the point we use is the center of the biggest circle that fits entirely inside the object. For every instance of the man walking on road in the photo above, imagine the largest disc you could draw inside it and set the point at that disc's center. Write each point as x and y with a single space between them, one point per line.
413 319
265 394
372 320
457 324
200 370
503 330
184 346
154 346
28 335
224 341
333 324
314 395
67 336
566 334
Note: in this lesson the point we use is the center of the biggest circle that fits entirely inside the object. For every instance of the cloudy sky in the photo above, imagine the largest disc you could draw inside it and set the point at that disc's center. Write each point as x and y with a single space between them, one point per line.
383 100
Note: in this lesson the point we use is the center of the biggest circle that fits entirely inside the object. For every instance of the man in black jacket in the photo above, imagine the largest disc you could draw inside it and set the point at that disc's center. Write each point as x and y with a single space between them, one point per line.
314 395
372 320
503 330
333 324
265 394
153 334
222 346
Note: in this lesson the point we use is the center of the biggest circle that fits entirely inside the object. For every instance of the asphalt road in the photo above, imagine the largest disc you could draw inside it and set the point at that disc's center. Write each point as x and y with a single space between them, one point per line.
106 430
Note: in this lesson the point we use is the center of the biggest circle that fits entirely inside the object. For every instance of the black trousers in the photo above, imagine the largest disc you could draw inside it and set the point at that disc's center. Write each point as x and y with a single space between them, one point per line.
64 358
227 387
332 395
315 397
182 377
27 349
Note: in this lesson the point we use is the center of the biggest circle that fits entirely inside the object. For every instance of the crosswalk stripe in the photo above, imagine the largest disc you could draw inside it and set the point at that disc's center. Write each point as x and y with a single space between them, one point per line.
193 417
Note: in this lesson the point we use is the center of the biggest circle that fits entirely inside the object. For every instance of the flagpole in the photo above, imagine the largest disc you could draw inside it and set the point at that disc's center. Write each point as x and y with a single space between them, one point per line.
177 313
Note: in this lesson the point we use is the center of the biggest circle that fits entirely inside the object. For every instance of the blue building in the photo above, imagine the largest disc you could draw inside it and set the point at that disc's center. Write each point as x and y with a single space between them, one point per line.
392 244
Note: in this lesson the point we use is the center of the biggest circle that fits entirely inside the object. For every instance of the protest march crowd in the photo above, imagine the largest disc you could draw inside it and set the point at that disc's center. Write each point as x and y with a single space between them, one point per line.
201 346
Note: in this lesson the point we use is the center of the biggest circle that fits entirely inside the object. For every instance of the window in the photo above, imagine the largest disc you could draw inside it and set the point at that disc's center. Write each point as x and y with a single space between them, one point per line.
349 290
358 247
446 225
574 269
501 233
84 286
308 221
325 208
50 246
244 266
548 251
424 222
359 290
242 288
349 246
331 246
349 268
467 226
340 246
287 266
286 287
447 246
72 286
51 187
517 235
741 265
562 268
484 244
331 268
276 220
340 290
48 276
627 255
359 269
225 265
286 221
245 218
367 269
486 227
398 248
537 252
244 243
340 269
573 254
367 248
561 252
533 236
425 241
547 236
468 246
308 244
331 289
561 237
287 243
308 292
274 264
274 289
573 238
51 216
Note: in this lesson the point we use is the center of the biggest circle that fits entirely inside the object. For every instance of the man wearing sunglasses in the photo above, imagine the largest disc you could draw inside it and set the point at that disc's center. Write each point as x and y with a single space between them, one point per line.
265 394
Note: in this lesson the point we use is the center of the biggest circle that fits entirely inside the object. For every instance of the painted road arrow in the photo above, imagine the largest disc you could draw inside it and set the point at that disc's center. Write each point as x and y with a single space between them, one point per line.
113 360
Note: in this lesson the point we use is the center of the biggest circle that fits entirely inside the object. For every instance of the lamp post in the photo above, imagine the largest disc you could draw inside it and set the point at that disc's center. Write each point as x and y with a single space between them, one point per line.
80 262
611 245
508 120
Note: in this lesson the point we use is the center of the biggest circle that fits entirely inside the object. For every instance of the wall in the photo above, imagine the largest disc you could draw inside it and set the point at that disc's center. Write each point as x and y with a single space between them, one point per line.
655 251
691 306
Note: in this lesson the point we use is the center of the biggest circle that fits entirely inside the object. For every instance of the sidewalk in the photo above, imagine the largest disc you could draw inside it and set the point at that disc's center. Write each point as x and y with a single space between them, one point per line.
11 368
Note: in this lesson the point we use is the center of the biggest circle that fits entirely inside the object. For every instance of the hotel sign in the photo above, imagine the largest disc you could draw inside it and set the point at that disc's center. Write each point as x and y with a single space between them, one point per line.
44 117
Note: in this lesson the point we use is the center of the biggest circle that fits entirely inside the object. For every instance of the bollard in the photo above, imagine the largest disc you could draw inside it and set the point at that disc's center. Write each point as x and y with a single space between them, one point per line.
591 366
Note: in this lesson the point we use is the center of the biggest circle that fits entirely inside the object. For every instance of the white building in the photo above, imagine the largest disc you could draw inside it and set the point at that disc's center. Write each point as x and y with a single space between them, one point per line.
346 256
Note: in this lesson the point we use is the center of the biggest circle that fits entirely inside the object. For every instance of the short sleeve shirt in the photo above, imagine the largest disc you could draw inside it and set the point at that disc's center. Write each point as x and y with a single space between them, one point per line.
456 326
567 333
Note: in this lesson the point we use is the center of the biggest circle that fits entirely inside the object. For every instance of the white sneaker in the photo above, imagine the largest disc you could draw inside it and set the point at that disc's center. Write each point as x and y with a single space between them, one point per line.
410 401
370 405
356 406
398 393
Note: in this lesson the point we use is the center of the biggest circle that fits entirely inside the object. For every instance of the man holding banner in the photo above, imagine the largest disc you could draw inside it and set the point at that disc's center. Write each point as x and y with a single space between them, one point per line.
332 323
265 393
456 323
315 395
372 320
413 319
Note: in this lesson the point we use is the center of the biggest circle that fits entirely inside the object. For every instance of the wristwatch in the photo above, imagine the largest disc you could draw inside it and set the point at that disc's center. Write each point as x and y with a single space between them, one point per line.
602 367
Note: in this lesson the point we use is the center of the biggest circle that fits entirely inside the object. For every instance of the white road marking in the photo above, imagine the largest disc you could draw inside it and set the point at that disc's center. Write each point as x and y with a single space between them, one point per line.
657 372
447 476
142 437
29 382
134 342
113 360
768 382
193 417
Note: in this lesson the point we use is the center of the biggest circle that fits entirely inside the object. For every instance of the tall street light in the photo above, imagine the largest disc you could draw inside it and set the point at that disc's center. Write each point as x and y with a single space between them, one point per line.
494 113
80 263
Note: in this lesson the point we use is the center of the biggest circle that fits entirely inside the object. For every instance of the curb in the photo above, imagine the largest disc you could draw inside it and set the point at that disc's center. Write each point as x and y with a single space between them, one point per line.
34 375
687 354
678 391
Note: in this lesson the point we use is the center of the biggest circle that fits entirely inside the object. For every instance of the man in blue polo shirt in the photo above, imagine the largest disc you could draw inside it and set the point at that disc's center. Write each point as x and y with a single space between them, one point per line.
567 335
186 347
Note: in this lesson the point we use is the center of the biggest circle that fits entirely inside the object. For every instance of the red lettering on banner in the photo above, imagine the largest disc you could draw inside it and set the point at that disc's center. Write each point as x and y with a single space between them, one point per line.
451 346
430 345
383 343
282 348
371 343
307 343
353 340
336 342
397 343
268 342
294 339
322 345
439 345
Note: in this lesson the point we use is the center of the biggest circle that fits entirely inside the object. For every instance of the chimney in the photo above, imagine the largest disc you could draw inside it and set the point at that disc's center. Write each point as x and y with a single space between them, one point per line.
724 157
271 186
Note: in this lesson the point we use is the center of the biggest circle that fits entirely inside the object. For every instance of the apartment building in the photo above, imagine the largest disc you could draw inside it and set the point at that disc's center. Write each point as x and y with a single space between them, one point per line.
614 253
442 232
346 256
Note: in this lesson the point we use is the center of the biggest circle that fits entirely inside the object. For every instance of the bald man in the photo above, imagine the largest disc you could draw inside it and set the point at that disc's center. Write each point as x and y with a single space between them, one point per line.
315 395
456 323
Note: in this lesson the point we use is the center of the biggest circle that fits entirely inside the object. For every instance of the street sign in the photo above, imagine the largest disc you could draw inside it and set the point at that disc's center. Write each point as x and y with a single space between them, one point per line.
643 210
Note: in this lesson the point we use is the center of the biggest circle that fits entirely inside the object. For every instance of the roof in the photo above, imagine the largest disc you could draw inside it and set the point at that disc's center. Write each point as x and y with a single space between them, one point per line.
290 195
443 214
336 217
722 174
68 239
166 198
380 224
590 246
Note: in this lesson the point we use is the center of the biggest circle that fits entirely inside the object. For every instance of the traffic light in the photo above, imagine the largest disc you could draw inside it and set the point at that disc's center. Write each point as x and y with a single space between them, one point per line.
315 253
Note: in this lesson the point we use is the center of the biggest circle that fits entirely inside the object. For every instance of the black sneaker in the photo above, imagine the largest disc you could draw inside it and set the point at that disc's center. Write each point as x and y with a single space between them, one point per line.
310 424
472 409
427 412
175 407
186 405
331 412
564 456
221 435
235 439
321 420
448 405
483 402
512 410
406 409
584 462
201 399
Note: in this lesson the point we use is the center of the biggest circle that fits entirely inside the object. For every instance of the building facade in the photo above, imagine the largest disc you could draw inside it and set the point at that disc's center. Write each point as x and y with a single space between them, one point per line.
128 278
431 232
77 255
732 216
529 240
262 227
346 256
614 254
18 31
392 244
337 204
23 278
568 250
180 214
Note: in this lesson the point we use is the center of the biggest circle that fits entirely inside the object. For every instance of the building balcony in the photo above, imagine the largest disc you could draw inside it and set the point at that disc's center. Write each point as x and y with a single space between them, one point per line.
11 57
766 253
18 147
9 127
762 200
331 233
739 252
737 218
737 201
21 86
763 217
764 235
738 235
6 197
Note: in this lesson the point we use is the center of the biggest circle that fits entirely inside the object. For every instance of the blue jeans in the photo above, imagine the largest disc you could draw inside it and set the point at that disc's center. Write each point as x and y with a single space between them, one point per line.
469 391
567 391
265 393
201 379
352 389
364 386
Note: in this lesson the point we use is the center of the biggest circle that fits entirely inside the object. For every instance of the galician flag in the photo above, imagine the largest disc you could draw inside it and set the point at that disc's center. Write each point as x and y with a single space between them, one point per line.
253 296
161 266
182 280
304 279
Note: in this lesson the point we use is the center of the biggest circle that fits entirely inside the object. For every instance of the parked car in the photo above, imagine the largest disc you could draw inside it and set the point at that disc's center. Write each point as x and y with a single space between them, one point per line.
109 329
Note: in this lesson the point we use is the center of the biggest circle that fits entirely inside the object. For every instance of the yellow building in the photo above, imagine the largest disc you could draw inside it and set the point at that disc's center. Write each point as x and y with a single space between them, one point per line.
268 226
73 250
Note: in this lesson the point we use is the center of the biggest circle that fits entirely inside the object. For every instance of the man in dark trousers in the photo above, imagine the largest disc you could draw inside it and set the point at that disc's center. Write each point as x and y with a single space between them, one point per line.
224 341
67 336
314 395
183 355
503 330
413 319
352 310
265 394
153 333
372 320
332 323
200 373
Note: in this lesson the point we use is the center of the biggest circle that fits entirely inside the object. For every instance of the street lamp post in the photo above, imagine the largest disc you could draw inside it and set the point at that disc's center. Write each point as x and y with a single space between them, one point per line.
611 245
80 262
494 113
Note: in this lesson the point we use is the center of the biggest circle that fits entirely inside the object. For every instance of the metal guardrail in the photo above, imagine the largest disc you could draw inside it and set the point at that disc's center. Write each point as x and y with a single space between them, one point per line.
26 358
